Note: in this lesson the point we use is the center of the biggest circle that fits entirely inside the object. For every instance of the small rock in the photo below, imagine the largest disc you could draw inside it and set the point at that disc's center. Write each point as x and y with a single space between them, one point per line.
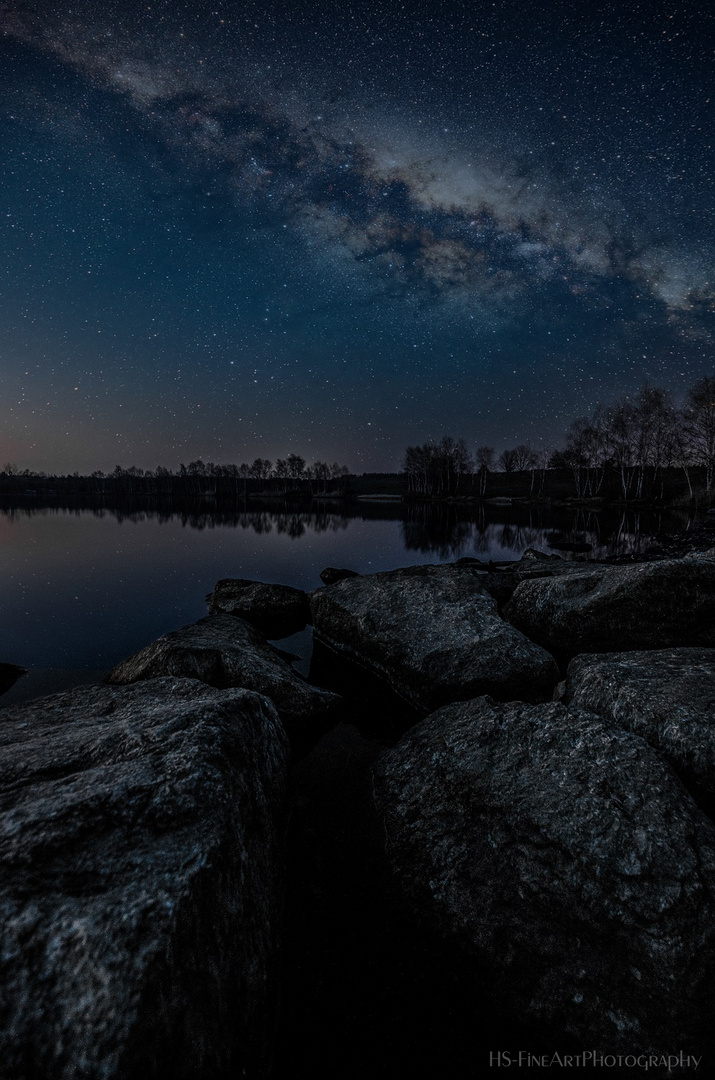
330 575
276 610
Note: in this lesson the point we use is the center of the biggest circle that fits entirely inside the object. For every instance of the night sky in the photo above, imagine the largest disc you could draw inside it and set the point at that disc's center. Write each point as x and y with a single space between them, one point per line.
336 229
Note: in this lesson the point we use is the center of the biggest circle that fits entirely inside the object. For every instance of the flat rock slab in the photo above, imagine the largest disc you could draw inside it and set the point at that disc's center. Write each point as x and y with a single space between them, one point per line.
224 651
276 610
665 695
562 860
141 846
607 608
434 633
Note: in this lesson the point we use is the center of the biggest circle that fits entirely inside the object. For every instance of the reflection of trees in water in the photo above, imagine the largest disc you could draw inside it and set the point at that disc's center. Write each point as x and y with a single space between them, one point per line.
443 531
435 529
290 523
447 530
518 537
295 525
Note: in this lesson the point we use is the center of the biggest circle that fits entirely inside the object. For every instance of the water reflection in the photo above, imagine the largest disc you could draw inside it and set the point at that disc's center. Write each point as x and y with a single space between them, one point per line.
445 531
262 521
501 532
83 587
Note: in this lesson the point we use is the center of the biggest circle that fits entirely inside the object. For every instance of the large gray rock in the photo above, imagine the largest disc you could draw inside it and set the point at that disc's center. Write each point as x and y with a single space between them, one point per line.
501 579
434 633
141 851
275 610
224 651
563 862
606 608
665 695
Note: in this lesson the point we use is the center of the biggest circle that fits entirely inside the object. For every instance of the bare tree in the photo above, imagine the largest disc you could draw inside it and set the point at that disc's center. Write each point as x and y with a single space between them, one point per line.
699 425
485 464
620 432
524 458
507 461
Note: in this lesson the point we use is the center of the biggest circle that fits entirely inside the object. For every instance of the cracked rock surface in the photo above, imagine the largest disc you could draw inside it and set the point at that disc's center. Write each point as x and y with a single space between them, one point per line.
434 634
665 695
562 865
141 853
225 651
649 605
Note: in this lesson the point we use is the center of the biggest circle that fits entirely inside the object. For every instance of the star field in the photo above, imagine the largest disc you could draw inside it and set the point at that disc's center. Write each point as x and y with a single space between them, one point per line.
241 230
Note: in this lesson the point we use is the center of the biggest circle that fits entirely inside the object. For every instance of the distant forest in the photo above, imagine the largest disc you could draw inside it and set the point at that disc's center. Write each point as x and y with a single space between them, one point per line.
288 476
632 449
625 449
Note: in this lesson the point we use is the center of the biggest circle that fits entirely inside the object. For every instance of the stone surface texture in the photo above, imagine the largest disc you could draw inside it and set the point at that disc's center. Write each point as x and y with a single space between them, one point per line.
331 574
665 695
141 851
650 605
560 858
434 633
275 610
224 651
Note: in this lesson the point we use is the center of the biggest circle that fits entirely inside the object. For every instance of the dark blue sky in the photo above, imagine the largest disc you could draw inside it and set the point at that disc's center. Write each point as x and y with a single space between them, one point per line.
233 230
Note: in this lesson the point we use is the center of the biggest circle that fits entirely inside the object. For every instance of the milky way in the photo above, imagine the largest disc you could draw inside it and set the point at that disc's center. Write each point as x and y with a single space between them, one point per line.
335 233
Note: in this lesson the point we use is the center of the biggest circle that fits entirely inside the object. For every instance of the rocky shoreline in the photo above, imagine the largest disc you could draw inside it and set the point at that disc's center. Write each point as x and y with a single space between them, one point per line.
486 816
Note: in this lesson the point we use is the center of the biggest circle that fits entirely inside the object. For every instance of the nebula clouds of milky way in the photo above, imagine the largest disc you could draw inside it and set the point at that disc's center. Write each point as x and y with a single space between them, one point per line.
353 231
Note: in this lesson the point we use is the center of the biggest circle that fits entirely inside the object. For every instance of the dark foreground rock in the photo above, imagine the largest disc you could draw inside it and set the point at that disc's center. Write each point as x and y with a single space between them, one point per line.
141 883
560 862
9 674
275 610
501 579
607 608
665 695
435 635
331 574
225 651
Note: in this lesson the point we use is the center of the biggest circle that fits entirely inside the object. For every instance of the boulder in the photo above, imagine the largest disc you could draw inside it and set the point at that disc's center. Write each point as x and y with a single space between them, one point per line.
433 633
650 605
331 574
665 695
141 855
563 868
275 610
224 651
9 674
502 578
536 555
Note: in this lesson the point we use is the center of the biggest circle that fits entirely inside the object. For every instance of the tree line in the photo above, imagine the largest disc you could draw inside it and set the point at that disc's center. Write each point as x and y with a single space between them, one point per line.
288 476
631 441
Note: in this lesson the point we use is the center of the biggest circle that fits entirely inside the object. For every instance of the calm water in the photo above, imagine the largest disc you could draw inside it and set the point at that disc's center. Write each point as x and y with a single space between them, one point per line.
82 589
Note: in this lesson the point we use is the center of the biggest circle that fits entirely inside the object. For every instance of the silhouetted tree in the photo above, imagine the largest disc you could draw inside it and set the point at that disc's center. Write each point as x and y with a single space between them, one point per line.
507 461
699 426
485 463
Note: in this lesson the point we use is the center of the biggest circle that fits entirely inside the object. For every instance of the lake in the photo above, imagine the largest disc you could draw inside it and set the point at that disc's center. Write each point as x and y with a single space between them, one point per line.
80 589
83 588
